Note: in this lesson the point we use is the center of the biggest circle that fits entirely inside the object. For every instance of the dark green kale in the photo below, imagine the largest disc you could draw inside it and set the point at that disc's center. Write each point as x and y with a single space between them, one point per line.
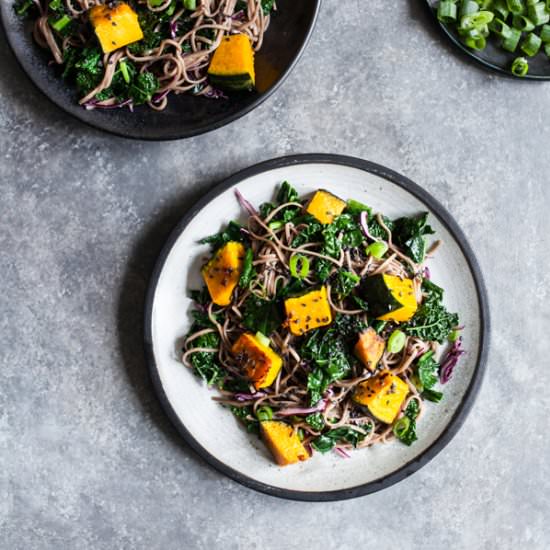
287 193
201 297
408 234
329 352
376 230
262 315
231 233
426 375
205 364
344 282
326 442
244 414
148 21
267 6
143 88
405 428
316 421
432 321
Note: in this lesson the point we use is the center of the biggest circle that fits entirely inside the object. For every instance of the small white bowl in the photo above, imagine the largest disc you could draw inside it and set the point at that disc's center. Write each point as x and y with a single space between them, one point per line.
211 430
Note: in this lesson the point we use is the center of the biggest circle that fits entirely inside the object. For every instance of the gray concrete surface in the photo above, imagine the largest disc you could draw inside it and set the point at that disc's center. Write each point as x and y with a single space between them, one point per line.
87 458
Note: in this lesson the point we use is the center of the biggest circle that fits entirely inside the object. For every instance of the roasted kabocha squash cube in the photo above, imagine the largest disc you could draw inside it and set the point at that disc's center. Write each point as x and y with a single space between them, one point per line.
259 362
308 311
222 273
325 206
232 65
115 26
383 395
390 298
283 442
369 348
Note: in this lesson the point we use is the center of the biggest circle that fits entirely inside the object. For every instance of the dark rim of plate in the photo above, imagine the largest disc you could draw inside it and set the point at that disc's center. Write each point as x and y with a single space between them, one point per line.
471 54
261 97
471 392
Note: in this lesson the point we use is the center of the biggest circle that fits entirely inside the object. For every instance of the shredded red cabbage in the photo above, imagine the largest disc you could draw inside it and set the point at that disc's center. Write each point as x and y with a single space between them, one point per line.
451 359
248 396
157 98
341 452
214 93
245 204
173 29
300 410
427 273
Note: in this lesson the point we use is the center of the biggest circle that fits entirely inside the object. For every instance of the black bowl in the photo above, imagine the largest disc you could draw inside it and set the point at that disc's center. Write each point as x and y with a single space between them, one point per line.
185 115
493 58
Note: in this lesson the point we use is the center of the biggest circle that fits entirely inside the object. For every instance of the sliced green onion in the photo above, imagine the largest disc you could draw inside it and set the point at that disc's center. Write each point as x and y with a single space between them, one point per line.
356 207
485 4
538 13
417 383
515 6
56 5
510 42
276 225
377 249
547 49
432 395
155 3
301 271
520 66
264 413
500 9
124 70
61 23
522 23
446 11
396 341
263 339
467 7
401 427
476 20
190 4
474 39
453 336
531 44
545 33
532 2
301 434
499 27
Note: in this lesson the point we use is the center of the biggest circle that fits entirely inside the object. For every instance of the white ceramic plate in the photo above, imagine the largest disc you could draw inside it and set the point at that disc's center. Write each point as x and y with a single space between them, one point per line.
212 430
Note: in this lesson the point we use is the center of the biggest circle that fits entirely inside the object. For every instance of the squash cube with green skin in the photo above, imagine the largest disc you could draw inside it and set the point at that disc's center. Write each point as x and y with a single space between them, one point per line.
116 26
222 273
283 442
259 362
390 298
308 311
232 65
325 206
383 395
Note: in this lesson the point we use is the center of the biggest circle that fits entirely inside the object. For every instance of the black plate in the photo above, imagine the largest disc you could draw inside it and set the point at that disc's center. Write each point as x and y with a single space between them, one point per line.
470 394
185 115
492 57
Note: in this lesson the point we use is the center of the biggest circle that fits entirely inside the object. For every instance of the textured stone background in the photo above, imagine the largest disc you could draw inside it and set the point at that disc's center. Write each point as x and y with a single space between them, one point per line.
87 458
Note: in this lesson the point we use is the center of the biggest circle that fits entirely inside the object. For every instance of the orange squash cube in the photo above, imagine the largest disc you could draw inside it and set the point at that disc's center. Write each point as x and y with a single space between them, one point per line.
115 26
369 348
383 395
260 363
283 442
